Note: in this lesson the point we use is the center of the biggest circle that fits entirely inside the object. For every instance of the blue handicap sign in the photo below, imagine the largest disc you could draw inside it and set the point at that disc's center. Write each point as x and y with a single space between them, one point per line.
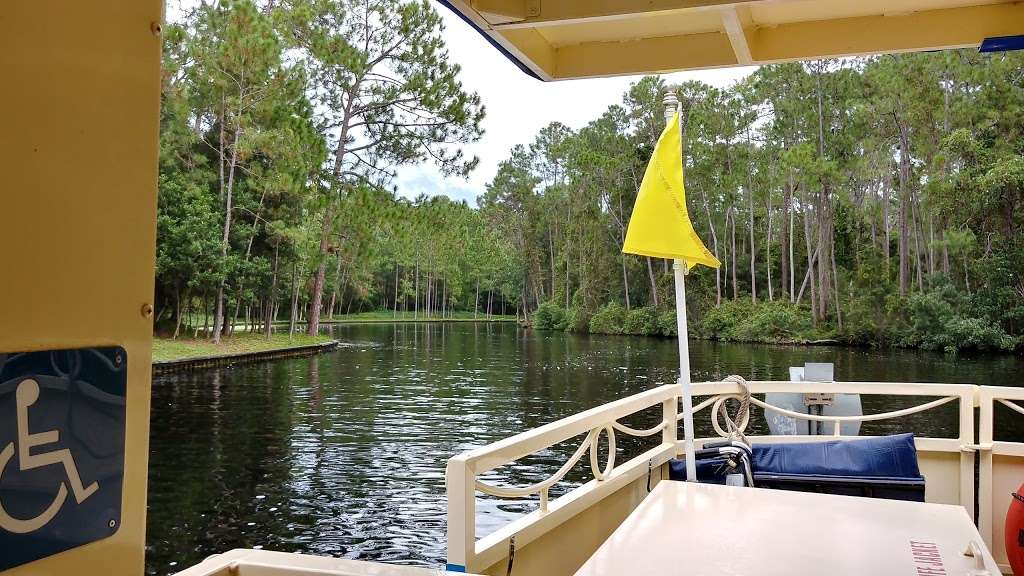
62 432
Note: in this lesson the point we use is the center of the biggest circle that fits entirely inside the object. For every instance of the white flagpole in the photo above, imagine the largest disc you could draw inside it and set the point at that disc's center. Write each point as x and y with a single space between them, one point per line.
671 107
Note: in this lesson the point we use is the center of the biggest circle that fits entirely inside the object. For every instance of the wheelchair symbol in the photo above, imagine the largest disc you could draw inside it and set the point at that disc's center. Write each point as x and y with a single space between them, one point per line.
27 395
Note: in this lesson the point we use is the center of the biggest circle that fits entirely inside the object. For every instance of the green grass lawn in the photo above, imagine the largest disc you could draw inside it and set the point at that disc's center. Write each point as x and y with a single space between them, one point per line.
165 349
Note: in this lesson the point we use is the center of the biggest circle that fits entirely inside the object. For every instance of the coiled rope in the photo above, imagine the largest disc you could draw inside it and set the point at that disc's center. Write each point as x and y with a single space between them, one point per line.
737 424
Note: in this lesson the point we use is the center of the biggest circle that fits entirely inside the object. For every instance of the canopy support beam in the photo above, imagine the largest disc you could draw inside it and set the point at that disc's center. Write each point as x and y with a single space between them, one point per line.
735 29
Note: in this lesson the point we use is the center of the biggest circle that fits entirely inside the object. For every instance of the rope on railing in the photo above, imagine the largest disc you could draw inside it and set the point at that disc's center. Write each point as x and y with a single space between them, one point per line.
734 426
717 404
591 443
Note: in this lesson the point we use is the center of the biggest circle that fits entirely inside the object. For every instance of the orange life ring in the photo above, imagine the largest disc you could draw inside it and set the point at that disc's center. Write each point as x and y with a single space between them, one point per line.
1013 533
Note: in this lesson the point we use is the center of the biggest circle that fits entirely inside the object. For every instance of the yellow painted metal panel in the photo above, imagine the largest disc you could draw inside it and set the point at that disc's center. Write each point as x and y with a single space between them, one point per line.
711 50
649 25
931 30
78 180
669 35
776 13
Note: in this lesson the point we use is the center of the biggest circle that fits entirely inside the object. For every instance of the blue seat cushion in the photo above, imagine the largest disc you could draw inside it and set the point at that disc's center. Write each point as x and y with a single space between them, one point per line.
890 457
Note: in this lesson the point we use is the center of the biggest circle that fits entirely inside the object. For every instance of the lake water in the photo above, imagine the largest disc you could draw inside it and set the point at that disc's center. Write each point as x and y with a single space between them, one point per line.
343 454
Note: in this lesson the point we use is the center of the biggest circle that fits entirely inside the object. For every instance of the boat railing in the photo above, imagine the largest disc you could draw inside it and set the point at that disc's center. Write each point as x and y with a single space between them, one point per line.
953 457
947 462
463 470
1001 467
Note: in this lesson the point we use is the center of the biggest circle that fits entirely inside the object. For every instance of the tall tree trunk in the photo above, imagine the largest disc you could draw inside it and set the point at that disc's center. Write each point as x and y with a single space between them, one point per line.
750 225
768 247
334 293
625 279
903 216
714 248
228 190
789 269
271 297
735 255
295 301
317 294
177 313
835 286
886 200
654 282
918 253
810 264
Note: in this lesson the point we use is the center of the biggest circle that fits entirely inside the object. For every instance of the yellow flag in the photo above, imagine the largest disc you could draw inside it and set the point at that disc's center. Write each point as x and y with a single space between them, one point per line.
660 225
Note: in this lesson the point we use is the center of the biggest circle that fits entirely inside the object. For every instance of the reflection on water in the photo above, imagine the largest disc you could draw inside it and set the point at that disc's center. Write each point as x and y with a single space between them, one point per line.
343 454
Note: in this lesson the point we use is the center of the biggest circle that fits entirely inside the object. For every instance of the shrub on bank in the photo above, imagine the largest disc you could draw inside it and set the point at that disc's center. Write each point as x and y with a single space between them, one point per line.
609 319
641 321
549 316
745 321
939 321
667 323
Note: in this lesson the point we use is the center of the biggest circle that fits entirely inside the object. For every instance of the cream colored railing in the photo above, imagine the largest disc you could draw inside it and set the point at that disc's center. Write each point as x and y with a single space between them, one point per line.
462 484
1001 471
951 459
948 463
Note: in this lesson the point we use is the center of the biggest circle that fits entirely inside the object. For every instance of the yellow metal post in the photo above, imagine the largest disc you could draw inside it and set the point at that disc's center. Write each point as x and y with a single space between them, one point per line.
79 120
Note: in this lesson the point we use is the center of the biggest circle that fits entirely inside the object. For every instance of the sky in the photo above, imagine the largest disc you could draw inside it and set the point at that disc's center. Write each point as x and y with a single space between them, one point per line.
518 106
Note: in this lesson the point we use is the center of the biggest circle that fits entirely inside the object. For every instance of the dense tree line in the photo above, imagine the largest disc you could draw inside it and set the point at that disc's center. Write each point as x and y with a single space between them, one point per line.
864 200
867 201
282 124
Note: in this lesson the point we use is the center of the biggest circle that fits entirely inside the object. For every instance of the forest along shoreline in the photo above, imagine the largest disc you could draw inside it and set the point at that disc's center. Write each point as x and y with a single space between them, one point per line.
197 350
871 201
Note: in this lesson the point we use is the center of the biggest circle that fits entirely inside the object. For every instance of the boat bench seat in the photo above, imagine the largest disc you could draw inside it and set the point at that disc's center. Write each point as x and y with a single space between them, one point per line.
882 467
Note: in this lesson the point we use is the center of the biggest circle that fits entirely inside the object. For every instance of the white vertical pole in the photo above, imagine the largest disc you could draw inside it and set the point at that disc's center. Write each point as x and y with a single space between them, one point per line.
684 369
679 268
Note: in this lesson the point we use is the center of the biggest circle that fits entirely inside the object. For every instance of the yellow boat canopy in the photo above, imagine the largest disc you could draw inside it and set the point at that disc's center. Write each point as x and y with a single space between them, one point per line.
561 39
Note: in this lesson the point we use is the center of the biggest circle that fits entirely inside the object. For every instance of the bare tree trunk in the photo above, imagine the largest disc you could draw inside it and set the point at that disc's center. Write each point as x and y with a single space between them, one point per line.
918 255
295 301
334 293
750 220
228 189
271 297
945 252
177 314
735 255
654 282
808 278
790 265
714 248
885 222
835 286
904 211
810 264
317 294
567 290
394 312
768 247
931 245
625 279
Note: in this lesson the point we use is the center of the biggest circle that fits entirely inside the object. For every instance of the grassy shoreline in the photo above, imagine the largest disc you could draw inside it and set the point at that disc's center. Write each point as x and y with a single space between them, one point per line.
168 350
183 348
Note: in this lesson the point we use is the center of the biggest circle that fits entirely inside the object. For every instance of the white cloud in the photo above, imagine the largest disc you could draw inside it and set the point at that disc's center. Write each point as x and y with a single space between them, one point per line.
518 106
